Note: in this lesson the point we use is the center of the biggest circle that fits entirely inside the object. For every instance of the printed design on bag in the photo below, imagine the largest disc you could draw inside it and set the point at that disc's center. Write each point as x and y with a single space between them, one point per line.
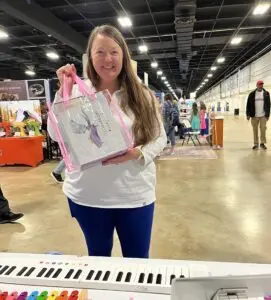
81 123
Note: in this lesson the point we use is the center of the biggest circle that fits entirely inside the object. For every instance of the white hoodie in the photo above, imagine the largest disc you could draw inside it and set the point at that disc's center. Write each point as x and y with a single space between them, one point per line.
127 185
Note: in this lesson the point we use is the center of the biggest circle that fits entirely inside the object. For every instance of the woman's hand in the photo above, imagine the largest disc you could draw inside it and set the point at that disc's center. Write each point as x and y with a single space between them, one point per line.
66 70
131 154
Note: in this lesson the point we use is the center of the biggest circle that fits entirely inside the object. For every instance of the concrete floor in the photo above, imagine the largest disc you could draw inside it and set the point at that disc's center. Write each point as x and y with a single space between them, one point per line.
206 210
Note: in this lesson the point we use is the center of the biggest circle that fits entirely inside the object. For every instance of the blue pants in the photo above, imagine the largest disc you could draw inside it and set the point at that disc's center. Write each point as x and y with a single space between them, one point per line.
133 225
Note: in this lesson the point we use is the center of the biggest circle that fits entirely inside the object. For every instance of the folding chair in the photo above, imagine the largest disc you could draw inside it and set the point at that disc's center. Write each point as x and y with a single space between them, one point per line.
190 134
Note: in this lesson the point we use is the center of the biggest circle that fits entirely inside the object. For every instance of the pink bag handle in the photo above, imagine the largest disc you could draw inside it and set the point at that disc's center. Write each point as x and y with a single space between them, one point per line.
83 88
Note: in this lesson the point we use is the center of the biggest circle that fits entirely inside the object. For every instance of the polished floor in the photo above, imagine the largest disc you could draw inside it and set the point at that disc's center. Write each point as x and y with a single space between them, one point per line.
206 209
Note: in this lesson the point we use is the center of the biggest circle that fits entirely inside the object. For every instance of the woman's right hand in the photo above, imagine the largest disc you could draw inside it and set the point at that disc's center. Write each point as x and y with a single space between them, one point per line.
66 70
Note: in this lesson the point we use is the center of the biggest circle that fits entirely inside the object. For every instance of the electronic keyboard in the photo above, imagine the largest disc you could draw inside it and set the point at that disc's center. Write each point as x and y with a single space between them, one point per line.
153 276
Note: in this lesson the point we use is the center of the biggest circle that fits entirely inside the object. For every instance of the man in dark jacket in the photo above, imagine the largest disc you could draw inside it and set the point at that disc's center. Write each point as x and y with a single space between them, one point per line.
6 215
258 109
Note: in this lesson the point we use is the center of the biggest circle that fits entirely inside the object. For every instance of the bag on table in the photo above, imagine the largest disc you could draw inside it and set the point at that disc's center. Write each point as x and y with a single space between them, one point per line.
89 128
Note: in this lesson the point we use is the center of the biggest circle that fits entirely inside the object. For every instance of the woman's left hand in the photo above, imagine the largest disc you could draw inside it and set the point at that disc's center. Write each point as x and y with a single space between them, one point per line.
131 154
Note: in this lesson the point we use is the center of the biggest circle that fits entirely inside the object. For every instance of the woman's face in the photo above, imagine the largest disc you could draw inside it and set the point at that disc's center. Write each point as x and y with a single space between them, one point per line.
107 58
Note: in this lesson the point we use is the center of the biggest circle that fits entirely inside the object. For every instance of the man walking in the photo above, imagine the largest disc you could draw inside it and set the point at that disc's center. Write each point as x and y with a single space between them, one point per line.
258 109
6 215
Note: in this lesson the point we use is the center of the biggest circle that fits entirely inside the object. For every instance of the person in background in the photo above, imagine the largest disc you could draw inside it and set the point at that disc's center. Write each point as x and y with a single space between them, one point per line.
6 215
202 114
195 119
57 172
117 194
258 110
171 119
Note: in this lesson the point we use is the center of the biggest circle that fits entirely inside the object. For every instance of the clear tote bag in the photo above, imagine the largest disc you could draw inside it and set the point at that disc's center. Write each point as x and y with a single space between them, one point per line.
89 128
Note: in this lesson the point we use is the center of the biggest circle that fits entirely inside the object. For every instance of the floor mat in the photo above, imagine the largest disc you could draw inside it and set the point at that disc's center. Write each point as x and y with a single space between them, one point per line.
199 152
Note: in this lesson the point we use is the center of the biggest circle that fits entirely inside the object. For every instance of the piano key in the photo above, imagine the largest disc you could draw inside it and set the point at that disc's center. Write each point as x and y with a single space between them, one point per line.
29 272
10 270
141 278
128 277
43 270
172 277
22 296
53 295
159 279
43 295
3 269
33 295
49 273
106 275
22 271
69 274
119 277
58 271
90 274
77 274
150 278
73 295
63 296
3 295
98 275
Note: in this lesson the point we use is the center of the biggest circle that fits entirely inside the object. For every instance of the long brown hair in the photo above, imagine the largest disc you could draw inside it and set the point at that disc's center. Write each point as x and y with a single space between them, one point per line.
136 97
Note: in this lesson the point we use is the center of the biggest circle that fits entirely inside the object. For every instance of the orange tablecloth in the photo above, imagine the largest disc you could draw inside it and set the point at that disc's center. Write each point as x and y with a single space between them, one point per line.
21 151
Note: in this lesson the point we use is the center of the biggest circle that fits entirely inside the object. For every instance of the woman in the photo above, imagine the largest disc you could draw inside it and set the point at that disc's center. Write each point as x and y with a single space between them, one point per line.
120 193
202 114
195 119
171 119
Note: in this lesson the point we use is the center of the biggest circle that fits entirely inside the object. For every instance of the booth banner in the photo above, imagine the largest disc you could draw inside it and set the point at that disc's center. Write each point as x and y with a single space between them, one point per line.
9 110
146 79
13 90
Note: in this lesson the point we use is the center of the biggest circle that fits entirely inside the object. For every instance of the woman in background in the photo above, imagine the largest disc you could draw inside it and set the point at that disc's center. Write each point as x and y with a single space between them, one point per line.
195 119
202 114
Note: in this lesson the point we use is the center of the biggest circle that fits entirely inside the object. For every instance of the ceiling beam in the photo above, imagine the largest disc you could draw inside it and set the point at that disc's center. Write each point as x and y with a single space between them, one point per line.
42 19
155 56
219 40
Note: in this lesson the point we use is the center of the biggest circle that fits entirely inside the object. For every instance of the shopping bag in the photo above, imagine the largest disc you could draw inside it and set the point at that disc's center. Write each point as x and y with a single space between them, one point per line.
89 128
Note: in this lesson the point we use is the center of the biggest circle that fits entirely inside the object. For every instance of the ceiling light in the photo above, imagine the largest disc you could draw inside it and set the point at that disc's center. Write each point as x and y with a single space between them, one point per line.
3 34
30 73
143 48
213 68
236 40
206 79
52 55
163 78
210 75
221 60
166 82
154 64
261 9
125 21
159 72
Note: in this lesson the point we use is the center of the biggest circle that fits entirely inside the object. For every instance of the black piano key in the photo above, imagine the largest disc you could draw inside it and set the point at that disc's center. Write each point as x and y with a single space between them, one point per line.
49 273
128 277
10 270
119 277
141 278
69 274
98 275
42 271
106 275
58 271
150 278
90 274
159 279
171 278
77 274
3 269
29 272
22 271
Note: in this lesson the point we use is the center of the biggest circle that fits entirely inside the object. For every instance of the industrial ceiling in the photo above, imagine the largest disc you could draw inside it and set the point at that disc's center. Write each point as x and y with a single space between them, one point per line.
185 37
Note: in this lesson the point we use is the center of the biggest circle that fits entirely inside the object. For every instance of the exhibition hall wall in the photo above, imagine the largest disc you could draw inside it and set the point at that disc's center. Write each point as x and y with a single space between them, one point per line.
233 91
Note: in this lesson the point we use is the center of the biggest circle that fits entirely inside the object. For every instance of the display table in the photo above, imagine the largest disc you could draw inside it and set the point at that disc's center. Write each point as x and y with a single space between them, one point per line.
21 150
218 131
